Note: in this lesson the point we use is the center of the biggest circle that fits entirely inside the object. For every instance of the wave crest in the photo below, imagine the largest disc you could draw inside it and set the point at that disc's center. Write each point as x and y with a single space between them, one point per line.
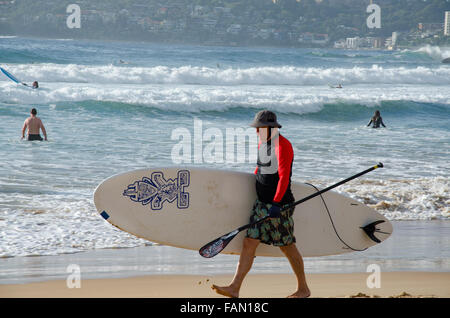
197 75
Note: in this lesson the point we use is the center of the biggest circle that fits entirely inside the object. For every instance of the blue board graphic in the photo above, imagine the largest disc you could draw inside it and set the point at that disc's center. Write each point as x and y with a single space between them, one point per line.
156 190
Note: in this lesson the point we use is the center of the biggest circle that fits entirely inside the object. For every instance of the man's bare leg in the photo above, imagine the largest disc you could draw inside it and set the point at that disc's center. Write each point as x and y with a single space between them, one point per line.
296 261
245 264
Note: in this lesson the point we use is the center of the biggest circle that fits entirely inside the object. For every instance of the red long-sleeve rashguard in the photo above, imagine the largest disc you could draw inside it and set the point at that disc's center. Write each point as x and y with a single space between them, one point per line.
274 171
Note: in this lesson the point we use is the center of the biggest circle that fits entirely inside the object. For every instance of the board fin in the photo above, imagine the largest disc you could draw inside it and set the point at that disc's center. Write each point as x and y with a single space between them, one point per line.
370 230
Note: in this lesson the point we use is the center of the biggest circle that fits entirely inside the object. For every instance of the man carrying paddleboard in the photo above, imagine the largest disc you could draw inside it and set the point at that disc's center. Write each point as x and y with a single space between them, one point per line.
273 188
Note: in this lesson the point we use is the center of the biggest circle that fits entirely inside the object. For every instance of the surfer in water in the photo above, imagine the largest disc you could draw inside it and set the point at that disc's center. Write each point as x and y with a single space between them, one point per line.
376 120
35 85
34 125
273 188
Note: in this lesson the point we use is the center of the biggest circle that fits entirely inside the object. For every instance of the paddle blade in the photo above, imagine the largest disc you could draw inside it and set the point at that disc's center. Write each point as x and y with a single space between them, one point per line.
215 247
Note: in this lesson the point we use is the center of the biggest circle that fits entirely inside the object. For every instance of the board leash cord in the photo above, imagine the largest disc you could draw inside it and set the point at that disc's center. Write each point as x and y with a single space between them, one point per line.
332 223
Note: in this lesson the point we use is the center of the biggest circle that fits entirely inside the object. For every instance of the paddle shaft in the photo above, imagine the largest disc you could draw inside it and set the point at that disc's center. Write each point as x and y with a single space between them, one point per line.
215 247
379 165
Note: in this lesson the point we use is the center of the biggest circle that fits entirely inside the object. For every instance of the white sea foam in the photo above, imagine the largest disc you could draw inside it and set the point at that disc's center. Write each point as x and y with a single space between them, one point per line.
435 52
58 224
195 98
418 199
189 88
267 75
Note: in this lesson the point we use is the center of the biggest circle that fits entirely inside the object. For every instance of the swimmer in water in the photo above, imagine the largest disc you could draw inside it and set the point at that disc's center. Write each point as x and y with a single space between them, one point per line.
376 120
34 125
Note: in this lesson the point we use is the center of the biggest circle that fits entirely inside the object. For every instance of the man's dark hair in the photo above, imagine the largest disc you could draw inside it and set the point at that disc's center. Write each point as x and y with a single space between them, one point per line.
34 111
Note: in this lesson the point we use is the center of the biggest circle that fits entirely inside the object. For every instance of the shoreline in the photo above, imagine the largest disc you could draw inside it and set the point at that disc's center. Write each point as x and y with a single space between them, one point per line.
392 284
415 246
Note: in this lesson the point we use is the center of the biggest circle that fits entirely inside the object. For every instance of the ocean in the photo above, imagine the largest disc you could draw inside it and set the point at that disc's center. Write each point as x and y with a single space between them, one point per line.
112 107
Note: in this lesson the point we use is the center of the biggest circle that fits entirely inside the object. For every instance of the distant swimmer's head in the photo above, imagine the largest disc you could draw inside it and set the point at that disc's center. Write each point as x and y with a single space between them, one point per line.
33 112
377 113
35 84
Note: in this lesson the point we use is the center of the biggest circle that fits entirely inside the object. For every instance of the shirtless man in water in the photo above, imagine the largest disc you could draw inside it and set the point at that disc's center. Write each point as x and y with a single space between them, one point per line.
34 125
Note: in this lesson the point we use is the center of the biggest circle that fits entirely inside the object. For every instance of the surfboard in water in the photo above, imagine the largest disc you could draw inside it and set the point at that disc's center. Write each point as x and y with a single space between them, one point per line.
189 207
10 76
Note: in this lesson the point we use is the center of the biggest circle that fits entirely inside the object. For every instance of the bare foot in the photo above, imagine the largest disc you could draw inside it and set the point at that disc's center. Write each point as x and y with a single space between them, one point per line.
300 294
225 291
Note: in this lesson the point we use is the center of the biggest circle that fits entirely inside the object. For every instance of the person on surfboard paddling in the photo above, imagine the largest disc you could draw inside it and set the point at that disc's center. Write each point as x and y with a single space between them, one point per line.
273 188
34 125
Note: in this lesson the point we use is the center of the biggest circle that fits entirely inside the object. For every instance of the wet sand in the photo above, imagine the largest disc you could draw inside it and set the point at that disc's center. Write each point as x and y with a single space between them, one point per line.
415 261
393 284
415 246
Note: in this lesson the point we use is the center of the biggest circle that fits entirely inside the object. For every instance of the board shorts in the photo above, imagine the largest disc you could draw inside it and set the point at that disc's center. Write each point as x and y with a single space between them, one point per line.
32 137
273 231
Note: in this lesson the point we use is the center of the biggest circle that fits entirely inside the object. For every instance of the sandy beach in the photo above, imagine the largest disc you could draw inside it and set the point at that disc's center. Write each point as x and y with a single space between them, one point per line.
393 284
413 262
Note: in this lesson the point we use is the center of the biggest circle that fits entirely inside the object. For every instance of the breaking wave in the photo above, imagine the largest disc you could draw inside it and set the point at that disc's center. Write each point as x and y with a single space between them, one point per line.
197 75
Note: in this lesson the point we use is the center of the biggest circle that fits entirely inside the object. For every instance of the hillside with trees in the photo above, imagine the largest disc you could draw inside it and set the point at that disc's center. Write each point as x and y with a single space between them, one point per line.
235 22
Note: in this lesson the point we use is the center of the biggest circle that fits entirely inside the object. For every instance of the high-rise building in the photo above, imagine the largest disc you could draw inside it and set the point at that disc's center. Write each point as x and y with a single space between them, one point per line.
447 23
352 43
394 38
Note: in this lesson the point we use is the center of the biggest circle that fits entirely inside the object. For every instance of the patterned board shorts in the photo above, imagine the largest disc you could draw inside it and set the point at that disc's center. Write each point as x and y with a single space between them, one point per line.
274 231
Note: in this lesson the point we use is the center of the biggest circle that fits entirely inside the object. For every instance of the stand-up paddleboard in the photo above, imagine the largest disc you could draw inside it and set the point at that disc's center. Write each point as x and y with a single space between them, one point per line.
189 207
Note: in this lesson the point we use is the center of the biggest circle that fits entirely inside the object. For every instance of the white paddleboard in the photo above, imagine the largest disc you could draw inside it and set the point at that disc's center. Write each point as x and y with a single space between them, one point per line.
189 207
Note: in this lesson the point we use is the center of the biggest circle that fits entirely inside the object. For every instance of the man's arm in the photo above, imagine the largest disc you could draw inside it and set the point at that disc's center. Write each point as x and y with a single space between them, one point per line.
285 156
41 125
24 128
256 170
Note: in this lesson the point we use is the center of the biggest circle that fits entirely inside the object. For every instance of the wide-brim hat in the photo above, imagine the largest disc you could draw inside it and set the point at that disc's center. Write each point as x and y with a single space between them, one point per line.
265 118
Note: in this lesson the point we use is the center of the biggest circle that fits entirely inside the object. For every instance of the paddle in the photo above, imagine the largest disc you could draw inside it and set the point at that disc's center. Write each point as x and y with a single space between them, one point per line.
216 246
